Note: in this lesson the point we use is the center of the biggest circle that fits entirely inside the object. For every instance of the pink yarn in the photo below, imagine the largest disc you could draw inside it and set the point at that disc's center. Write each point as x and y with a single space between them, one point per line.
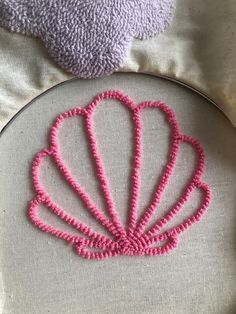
132 240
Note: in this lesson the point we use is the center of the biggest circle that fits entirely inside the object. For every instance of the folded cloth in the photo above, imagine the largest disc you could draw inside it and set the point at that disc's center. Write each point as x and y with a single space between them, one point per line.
198 49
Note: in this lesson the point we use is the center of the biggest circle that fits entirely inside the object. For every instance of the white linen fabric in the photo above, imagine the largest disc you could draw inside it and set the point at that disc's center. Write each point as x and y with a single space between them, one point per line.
198 49
40 274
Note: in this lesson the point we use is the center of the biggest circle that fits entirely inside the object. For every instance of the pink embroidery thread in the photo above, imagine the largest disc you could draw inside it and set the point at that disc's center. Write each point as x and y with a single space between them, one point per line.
132 240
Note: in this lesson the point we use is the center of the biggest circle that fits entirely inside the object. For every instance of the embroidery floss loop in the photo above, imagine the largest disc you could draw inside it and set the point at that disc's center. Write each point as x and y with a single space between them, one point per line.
133 240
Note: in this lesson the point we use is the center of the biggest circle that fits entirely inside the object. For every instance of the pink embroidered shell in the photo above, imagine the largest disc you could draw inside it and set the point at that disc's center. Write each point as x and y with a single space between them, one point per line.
129 240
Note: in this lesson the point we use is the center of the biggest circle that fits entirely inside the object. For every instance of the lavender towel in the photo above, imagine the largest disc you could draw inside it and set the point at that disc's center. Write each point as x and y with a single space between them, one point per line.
86 37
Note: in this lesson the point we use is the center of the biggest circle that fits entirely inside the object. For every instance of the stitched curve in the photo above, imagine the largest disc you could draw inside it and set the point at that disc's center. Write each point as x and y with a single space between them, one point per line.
130 240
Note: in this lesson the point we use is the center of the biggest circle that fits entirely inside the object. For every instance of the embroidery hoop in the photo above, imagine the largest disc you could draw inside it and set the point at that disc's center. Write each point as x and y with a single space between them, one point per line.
157 268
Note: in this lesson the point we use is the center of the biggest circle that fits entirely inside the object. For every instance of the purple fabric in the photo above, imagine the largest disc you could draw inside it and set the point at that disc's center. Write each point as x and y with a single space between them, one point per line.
89 38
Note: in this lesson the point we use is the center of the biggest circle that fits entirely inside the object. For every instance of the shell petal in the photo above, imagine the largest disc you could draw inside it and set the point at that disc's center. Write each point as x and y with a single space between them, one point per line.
128 240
